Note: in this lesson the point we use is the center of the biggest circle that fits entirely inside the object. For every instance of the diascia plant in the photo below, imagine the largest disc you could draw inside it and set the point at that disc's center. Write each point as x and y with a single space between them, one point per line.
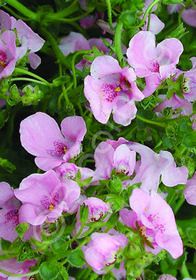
98 140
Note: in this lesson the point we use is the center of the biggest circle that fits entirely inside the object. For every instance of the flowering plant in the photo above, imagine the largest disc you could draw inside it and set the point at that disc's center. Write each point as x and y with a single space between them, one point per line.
111 193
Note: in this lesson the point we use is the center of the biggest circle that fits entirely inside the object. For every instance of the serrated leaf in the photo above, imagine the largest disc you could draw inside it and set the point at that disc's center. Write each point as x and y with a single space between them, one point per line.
21 229
7 165
5 244
76 258
49 270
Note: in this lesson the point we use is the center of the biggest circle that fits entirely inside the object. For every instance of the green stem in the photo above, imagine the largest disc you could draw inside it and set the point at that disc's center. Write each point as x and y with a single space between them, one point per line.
73 65
28 79
146 13
67 11
25 72
22 9
178 205
19 275
184 271
60 56
149 17
108 3
117 41
68 19
150 122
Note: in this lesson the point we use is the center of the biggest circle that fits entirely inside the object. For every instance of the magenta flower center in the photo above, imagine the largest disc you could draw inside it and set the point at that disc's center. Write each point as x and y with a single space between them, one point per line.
96 216
59 150
3 59
112 259
110 91
12 216
49 203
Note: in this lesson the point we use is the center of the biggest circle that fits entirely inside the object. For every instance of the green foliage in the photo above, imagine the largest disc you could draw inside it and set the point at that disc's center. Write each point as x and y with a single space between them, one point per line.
76 258
49 270
21 229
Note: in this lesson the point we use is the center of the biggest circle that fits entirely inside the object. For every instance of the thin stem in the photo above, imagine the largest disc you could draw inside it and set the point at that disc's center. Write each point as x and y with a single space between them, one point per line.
25 72
22 9
69 19
178 205
149 18
109 13
60 56
67 11
117 41
28 79
146 13
150 122
19 275
73 65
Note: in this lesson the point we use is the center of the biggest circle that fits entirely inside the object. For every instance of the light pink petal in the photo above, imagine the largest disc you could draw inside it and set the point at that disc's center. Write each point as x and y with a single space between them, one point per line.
173 244
46 163
5 21
124 110
98 42
8 223
94 258
35 42
190 191
34 60
124 159
152 83
101 109
39 133
103 66
72 194
31 214
6 192
128 218
189 16
168 52
103 160
73 42
33 188
172 175
156 25
139 200
142 53
73 129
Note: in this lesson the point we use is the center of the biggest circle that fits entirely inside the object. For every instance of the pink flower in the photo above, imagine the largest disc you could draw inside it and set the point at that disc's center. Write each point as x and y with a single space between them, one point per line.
15 267
153 165
97 209
190 191
9 53
76 42
156 25
41 137
111 89
156 221
9 213
29 40
155 63
107 158
102 250
167 277
45 197
188 15
69 171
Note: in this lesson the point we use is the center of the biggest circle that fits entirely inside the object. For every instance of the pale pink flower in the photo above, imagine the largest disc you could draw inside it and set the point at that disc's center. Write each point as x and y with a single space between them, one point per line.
44 197
110 89
9 212
190 191
156 221
102 250
155 63
41 137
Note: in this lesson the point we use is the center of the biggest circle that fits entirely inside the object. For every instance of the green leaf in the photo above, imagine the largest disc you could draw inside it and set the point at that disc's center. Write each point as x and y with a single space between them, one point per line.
21 229
191 233
64 273
13 97
26 252
76 258
115 185
84 213
189 140
116 201
49 270
5 244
